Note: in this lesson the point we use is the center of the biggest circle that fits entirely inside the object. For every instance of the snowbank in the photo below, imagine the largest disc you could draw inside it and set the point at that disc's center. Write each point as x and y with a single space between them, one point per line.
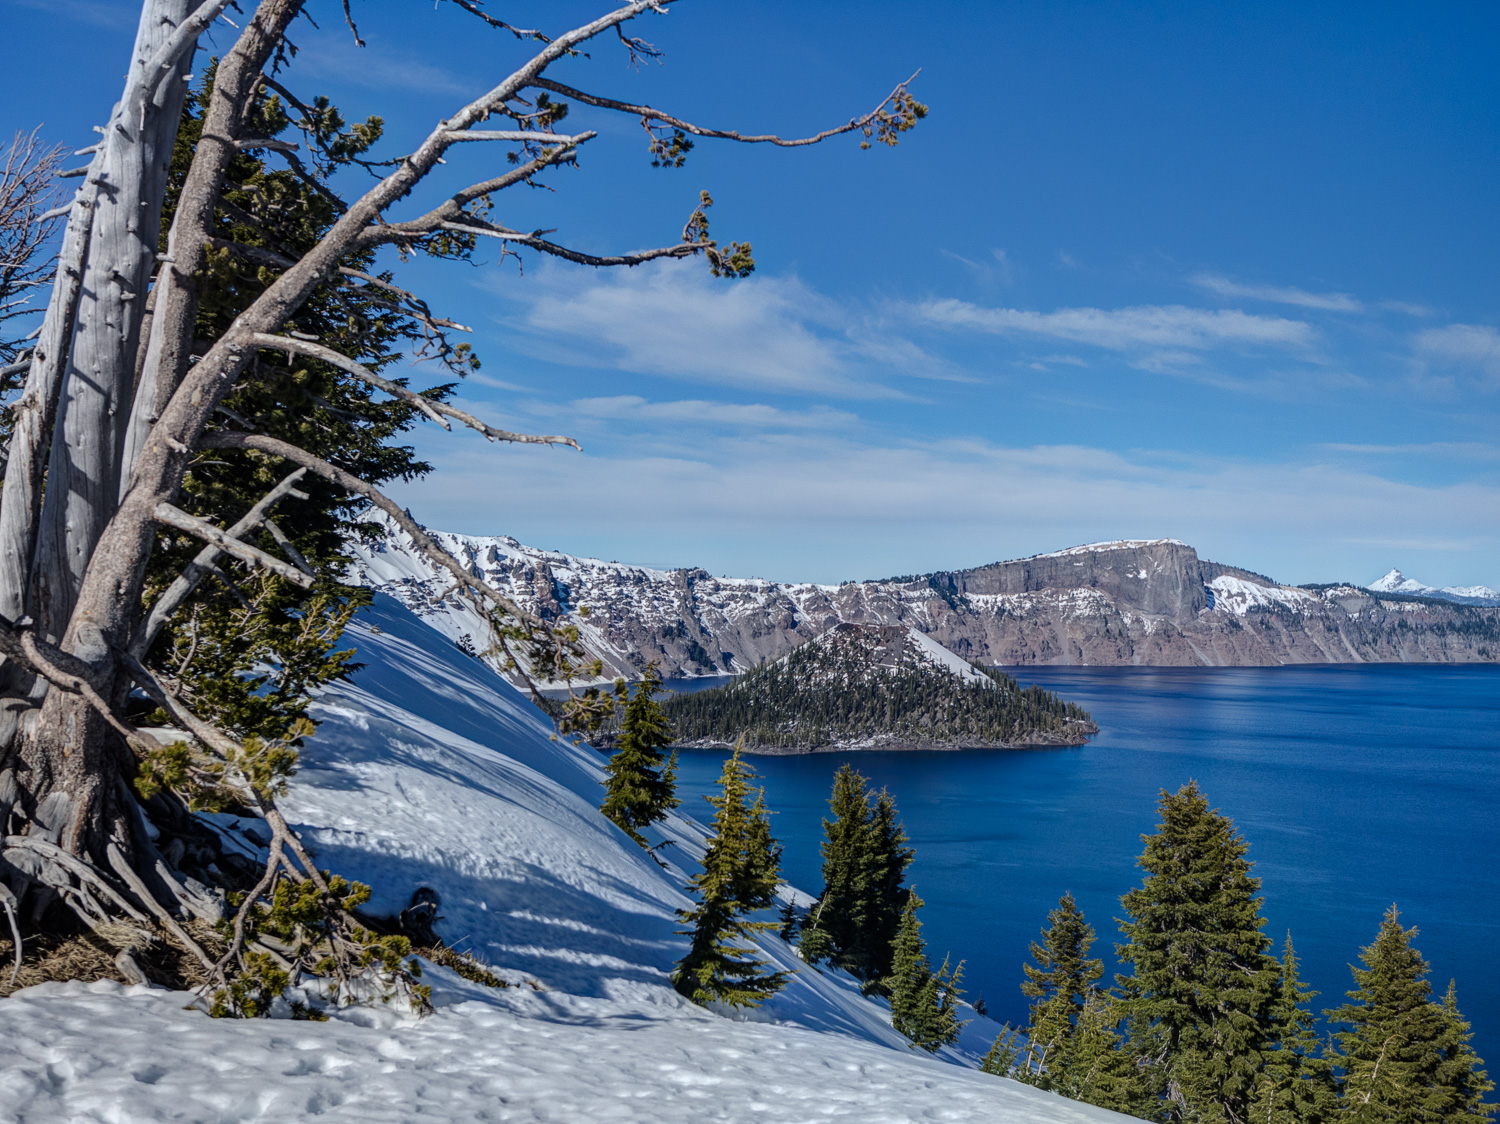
429 770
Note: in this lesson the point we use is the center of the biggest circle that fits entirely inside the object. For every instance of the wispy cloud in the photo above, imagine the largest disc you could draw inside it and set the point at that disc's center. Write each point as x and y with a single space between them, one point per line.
630 407
674 321
1276 294
379 67
1462 347
1461 450
1163 328
86 11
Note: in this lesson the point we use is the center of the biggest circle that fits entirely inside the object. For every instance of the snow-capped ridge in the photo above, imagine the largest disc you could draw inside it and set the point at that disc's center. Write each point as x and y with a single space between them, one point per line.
1397 582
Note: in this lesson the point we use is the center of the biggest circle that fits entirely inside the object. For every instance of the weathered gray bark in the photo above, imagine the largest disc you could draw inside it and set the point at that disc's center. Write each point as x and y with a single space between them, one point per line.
175 316
131 167
36 410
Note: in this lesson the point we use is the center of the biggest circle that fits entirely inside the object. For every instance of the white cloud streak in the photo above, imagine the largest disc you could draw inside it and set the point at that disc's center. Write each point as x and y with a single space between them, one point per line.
673 321
630 407
1277 294
1144 327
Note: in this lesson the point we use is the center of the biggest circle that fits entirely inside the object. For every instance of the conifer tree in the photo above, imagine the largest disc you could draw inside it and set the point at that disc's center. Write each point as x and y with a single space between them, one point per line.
1461 1071
1001 1058
1202 980
1059 986
889 858
739 877
1405 1059
642 784
841 912
1296 1084
864 864
923 1002
1098 1070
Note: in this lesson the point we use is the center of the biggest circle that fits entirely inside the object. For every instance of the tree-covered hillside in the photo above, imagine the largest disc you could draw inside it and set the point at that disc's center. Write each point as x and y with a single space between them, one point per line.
876 686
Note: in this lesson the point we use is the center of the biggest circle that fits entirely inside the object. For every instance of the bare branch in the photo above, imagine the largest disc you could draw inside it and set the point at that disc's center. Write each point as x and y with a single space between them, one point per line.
138 888
8 903
349 482
76 867
202 565
489 230
64 671
432 409
514 135
291 551
474 8
452 209
203 529
647 114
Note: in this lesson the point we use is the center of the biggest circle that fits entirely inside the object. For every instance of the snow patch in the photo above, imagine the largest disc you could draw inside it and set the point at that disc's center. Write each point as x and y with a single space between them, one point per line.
1237 596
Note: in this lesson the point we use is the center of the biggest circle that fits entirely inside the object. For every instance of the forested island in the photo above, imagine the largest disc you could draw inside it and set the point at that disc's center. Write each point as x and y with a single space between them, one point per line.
875 687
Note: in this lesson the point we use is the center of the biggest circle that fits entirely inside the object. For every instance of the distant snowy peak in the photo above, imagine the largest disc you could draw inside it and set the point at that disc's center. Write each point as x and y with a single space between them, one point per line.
1397 582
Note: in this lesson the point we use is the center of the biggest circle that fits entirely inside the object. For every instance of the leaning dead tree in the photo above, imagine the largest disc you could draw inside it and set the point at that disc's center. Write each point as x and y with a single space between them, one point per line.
153 448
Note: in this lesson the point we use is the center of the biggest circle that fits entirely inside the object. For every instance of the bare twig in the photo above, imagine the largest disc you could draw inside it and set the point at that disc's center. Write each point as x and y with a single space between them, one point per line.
8 903
471 225
434 410
348 481
203 529
647 114
184 584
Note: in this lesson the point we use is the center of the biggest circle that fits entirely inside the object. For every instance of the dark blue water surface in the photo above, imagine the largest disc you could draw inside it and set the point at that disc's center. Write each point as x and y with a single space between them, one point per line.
1354 786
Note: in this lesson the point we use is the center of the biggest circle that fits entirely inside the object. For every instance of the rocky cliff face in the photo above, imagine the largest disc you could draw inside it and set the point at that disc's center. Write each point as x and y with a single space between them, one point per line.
1136 602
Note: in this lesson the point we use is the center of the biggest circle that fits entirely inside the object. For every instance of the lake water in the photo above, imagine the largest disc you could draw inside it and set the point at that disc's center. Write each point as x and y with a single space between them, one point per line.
1354 786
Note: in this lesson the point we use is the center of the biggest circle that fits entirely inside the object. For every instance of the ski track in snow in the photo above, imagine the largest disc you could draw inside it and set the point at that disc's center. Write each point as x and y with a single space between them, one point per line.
428 769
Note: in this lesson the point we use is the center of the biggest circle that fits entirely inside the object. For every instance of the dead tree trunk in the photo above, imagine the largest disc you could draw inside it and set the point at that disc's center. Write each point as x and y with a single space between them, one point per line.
109 423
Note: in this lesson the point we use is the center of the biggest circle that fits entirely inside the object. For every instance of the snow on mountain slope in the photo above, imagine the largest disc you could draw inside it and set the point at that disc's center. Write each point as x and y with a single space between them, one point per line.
1237 596
1397 582
429 770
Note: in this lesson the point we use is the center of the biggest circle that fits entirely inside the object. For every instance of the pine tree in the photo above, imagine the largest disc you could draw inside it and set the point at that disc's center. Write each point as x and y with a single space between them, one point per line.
1202 980
739 877
788 917
1059 986
1296 1084
923 1002
864 864
1461 1072
889 857
1001 1058
1405 1058
642 785
1098 1070
842 907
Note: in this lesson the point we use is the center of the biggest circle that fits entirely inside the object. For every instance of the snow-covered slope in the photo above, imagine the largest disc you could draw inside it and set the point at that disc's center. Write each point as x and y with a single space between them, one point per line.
428 770
1397 582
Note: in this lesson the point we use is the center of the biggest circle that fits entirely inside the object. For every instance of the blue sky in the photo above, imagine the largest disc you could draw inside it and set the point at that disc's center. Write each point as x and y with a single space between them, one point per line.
1225 274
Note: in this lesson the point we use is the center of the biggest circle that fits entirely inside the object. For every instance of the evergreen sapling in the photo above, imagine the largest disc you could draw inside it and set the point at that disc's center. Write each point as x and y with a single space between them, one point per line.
739 877
642 783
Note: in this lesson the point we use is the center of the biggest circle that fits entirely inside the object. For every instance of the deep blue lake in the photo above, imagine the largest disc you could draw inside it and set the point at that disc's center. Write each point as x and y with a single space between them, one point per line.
1354 787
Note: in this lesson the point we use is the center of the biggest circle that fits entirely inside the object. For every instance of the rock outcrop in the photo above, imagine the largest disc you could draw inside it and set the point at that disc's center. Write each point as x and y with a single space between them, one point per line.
1135 602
